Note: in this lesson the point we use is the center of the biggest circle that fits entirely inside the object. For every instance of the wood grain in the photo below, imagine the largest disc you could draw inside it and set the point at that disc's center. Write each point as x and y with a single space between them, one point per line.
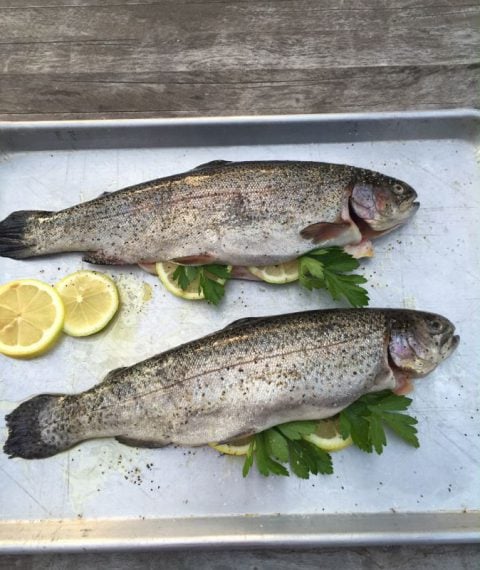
426 557
89 59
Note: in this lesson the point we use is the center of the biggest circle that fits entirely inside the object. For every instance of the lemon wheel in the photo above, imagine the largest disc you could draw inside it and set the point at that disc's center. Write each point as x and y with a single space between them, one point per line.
327 436
277 274
90 299
165 271
31 318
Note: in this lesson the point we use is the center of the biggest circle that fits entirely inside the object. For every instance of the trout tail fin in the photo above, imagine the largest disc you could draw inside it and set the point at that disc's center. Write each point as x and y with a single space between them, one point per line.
18 234
32 430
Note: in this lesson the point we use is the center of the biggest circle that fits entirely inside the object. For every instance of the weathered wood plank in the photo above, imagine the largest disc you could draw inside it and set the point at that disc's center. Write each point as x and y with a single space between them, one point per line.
168 58
148 21
227 93
323 4
143 38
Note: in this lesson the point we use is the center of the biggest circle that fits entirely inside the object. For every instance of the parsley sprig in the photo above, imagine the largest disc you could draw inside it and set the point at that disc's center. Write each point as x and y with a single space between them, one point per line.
327 268
211 279
364 420
284 444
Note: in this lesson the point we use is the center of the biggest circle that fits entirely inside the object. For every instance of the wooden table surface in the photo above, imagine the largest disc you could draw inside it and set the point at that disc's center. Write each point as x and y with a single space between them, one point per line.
176 58
64 59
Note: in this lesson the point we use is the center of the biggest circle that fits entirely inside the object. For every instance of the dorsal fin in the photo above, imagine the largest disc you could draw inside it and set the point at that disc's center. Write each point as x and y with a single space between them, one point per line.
113 375
211 164
244 321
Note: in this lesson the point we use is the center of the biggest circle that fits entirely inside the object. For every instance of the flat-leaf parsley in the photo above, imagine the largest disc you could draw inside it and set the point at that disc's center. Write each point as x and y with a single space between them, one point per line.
364 420
327 268
211 279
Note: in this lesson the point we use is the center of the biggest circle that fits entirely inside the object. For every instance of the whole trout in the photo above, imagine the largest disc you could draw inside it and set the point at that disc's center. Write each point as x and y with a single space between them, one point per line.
237 213
252 375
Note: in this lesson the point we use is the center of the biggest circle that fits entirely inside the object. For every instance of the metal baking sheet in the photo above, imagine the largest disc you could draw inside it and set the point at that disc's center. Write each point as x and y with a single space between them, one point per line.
103 495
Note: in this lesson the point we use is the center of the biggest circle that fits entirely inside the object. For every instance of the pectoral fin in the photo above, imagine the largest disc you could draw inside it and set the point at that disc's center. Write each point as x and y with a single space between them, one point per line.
324 231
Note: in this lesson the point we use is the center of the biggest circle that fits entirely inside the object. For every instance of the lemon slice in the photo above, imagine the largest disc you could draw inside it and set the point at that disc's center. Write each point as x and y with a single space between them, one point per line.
277 274
165 271
327 436
235 447
31 318
90 299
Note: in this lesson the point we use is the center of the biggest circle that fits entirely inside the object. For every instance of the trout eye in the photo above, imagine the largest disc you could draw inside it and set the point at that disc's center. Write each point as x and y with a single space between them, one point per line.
435 326
398 189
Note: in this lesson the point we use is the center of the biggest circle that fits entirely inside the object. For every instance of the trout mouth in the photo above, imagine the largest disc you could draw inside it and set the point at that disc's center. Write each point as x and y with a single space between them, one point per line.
448 344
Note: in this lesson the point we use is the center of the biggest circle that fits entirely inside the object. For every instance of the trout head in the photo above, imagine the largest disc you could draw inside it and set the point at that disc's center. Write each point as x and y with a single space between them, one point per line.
419 341
382 203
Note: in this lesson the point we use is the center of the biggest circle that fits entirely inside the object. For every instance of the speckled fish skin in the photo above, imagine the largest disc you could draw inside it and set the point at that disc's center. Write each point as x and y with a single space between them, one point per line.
238 213
241 380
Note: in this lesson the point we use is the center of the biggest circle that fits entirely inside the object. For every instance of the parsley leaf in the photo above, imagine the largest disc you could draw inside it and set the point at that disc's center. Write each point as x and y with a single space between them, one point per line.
310 272
277 445
365 421
211 279
323 459
355 425
306 458
402 425
347 286
326 268
298 462
185 274
265 464
387 401
222 271
212 290
248 459
376 433
295 430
